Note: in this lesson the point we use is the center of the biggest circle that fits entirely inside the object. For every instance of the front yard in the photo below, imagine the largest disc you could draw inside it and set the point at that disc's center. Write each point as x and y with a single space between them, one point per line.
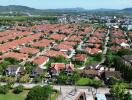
12 96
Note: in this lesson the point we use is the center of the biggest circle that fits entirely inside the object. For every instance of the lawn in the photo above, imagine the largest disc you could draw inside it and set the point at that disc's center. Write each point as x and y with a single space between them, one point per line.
89 82
21 96
54 96
12 96
83 81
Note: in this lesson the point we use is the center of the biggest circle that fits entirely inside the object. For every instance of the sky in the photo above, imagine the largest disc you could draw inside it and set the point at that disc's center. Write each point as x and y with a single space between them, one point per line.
53 4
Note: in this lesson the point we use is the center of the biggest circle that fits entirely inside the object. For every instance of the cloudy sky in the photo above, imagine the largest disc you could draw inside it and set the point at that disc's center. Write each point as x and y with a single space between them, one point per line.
88 4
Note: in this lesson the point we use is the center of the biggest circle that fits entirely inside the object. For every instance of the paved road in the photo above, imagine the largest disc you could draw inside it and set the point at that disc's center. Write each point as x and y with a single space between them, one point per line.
105 47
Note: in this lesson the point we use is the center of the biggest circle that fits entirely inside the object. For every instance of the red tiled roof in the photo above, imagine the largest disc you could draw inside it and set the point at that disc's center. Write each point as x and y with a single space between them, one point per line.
94 40
40 60
69 43
28 50
75 38
93 50
63 47
57 36
18 56
80 57
43 43
119 41
11 45
53 53
61 66
115 48
58 66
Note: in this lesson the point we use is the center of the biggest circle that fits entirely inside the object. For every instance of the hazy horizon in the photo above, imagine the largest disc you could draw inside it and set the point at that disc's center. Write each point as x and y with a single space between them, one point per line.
87 4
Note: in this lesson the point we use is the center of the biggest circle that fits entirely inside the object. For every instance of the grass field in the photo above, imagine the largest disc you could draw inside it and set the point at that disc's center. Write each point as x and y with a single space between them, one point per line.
12 96
21 96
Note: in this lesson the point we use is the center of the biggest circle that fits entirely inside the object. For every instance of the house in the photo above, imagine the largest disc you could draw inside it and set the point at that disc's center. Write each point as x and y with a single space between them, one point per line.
43 43
94 66
17 56
63 47
127 59
37 72
69 68
108 74
53 53
69 43
124 45
57 67
57 36
75 38
80 57
91 45
14 70
93 50
27 50
41 61
89 73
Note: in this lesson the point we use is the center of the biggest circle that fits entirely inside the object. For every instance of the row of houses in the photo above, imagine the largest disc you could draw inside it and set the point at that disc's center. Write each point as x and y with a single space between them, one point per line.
118 40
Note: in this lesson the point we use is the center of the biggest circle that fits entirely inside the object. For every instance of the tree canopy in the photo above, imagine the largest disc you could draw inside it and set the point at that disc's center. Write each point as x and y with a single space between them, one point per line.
118 90
39 93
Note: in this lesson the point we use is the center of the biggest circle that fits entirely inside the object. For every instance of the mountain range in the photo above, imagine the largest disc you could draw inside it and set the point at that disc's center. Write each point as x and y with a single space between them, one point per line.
33 11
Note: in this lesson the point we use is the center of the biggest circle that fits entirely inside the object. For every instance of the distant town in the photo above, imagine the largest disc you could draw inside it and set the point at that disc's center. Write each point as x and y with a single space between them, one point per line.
66 56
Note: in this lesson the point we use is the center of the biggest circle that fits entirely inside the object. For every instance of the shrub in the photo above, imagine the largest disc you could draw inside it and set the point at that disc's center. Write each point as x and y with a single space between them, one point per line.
4 89
24 79
18 89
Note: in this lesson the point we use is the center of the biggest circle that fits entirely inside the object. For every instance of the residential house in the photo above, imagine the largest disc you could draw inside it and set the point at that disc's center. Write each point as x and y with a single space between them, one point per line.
57 67
80 57
89 73
14 70
108 74
37 72
127 59
41 61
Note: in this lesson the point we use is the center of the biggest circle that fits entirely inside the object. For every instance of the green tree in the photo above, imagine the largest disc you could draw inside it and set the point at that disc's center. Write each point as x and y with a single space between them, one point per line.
37 79
75 77
97 57
39 93
29 66
96 84
1 53
124 52
11 60
3 66
113 80
60 59
62 78
128 96
110 58
118 90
